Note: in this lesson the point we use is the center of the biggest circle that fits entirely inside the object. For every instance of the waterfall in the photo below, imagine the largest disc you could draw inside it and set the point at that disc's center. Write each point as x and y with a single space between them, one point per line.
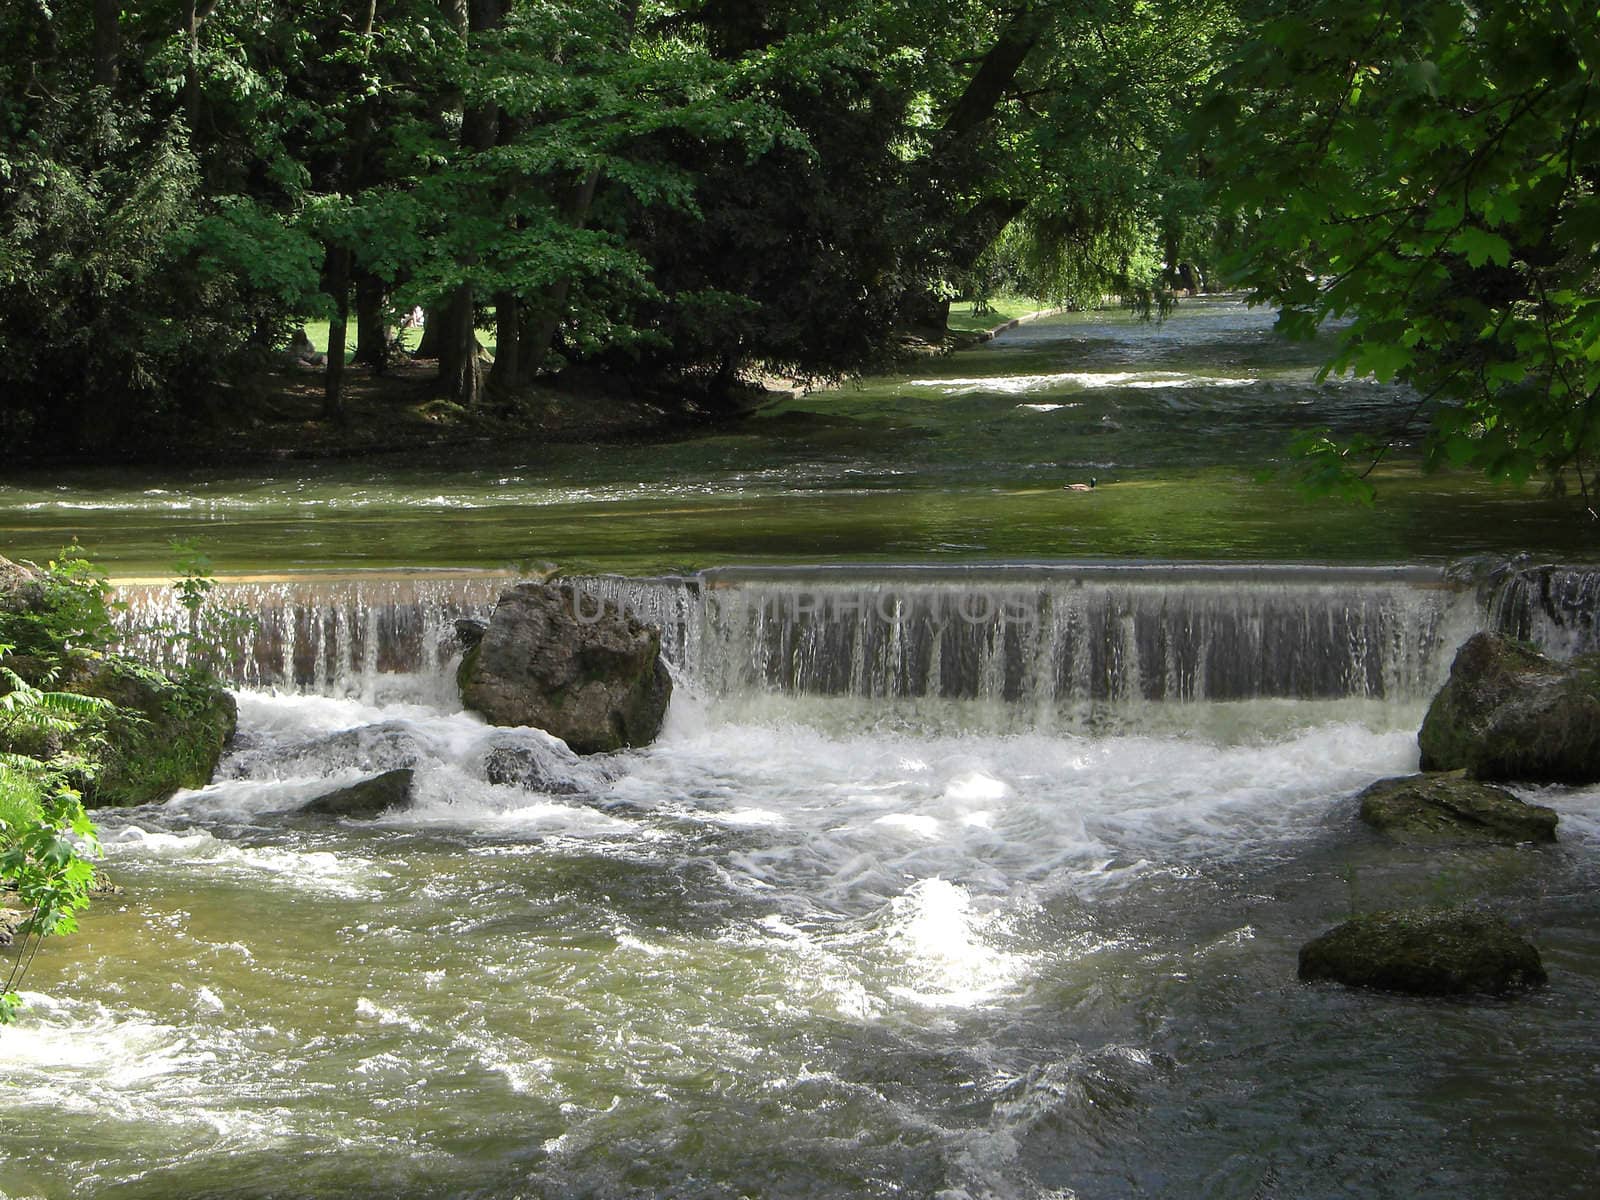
1045 634
1553 606
330 635
1051 634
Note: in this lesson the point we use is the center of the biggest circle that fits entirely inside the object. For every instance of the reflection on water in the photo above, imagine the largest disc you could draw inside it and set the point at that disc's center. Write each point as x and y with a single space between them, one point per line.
963 458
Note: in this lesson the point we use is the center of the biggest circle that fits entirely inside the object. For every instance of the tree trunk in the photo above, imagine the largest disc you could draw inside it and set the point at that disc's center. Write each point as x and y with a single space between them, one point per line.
338 285
552 306
507 372
995 73
192 18
967 233
372 339
459 369
106 45
432 340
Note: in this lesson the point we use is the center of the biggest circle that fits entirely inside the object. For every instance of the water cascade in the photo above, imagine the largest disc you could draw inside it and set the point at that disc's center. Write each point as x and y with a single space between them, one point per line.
1029 634
1553 606
333 635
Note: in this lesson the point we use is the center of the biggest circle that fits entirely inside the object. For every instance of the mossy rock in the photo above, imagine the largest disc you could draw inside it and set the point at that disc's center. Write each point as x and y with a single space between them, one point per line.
1448 806
1510 714
1425 952
170 734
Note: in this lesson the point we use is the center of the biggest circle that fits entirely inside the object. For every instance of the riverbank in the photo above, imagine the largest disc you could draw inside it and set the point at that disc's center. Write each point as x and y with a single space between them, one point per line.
279 417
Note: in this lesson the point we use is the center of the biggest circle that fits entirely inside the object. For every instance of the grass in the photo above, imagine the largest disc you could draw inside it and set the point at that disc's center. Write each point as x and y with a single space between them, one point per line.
1002 308
317 331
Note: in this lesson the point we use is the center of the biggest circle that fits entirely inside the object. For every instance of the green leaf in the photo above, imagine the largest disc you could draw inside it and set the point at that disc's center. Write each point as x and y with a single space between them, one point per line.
1480 247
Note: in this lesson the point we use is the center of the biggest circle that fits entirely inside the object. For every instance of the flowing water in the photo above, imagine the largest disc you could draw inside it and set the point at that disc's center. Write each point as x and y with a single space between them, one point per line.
961 460
956 880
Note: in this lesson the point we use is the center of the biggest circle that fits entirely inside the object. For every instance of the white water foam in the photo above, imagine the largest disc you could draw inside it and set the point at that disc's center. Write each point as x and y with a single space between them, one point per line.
1080 381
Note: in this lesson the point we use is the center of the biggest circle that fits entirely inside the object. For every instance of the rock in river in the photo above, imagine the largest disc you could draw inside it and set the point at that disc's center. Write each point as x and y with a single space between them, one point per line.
1425 952
392 789
1447 806
563 662
1509 713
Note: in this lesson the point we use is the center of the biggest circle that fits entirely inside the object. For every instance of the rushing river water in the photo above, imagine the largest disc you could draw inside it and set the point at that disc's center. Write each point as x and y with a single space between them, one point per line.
973 883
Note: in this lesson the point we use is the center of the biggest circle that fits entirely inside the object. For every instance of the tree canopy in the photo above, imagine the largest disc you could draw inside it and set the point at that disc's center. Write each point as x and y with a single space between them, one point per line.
692 192
681 190
1428 171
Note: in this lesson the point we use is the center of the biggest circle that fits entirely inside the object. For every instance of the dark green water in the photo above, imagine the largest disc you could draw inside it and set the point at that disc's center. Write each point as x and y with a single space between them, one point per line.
963 459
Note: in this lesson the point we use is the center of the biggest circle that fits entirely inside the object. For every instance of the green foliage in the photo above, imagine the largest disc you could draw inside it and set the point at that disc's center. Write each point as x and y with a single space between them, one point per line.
76 611
668 190
1430 175
47 844
210 633
46 839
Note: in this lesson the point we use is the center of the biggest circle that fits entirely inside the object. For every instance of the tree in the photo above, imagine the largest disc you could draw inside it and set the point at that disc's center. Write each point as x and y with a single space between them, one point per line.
1429 171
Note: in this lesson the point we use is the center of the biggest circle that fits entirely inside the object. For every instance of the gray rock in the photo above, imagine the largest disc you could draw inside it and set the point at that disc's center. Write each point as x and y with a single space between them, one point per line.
11 920
22 587
1509 713
588 674
1425 952
370 797
1447 806
470 631
382 747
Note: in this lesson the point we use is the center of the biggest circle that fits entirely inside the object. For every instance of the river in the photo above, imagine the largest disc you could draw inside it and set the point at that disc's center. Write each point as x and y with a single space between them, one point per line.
977 877
961 460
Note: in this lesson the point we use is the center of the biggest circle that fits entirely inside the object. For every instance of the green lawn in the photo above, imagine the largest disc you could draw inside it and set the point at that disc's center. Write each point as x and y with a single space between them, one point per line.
1002 308
317 331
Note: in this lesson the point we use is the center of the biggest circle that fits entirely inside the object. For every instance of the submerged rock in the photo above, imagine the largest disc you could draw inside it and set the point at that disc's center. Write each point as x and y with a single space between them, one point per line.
533 770
1426 952
1509 713
384 746
391 790
1448 806
567 664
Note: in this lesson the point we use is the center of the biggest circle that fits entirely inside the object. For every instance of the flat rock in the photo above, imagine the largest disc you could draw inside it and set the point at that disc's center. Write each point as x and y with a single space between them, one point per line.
1448 806
367 799
1425 952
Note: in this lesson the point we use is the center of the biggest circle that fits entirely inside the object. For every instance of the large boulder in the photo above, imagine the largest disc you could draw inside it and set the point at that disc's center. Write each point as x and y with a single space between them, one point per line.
562 662
1509 713
1447 806
391 790
11 920
168 733
1426 952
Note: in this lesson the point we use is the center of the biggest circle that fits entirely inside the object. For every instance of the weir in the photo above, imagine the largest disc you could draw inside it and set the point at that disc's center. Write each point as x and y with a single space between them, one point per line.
333 635
1022 633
